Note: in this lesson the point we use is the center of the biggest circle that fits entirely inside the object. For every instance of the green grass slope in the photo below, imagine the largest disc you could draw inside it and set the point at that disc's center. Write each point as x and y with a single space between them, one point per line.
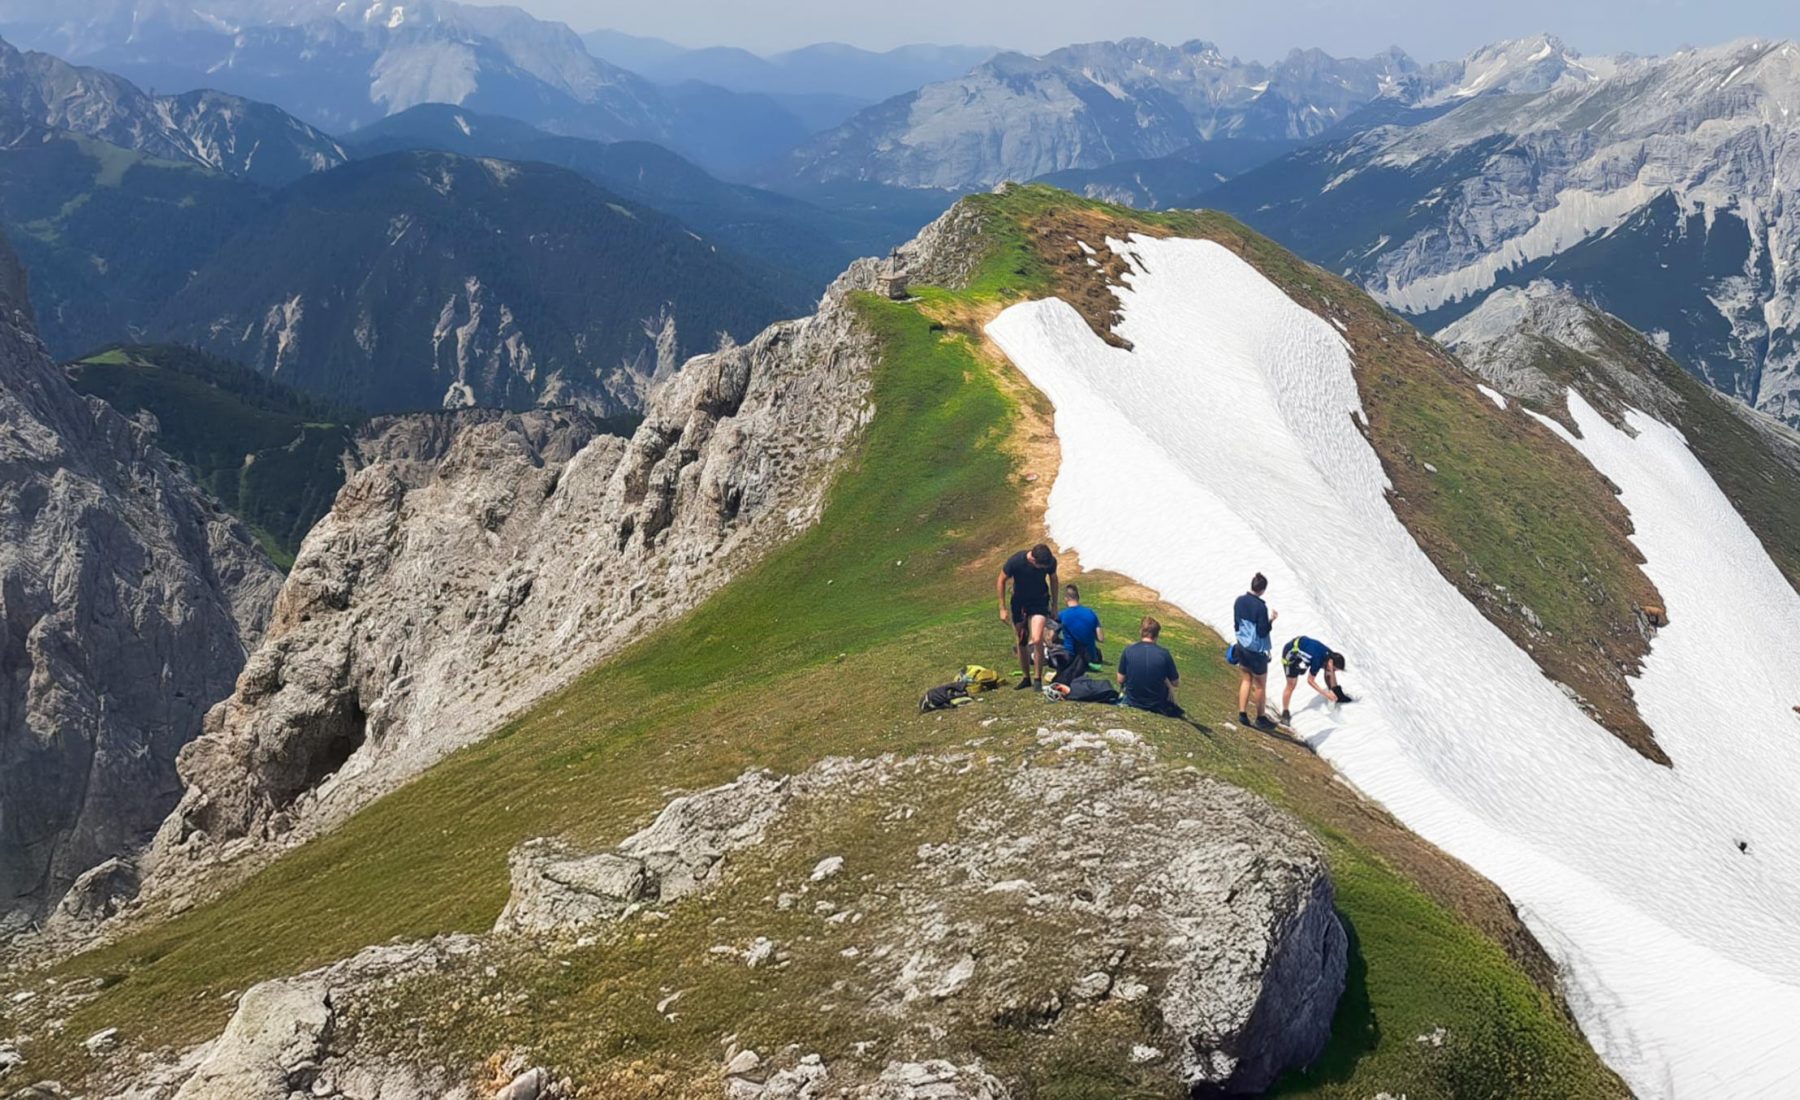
822 649
271 455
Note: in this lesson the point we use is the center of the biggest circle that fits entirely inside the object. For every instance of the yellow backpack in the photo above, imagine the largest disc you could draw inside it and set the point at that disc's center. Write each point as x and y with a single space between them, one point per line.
978 678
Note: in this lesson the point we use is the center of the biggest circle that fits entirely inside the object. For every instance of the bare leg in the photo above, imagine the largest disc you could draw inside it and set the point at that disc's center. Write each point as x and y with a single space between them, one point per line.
1287 694
1037 644
1258 695
1243 691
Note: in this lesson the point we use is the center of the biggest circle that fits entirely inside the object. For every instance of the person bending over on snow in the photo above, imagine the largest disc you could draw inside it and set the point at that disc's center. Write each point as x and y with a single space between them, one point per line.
1254 622
1033 576
1081 629
1311 657
1147 673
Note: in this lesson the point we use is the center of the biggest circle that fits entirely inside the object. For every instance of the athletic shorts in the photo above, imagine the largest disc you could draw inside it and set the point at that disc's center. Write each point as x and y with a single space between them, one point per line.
1295 665
1256 664
1022 612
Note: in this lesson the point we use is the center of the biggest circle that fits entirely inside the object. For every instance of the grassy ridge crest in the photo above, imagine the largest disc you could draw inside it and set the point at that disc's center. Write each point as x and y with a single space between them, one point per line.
821 649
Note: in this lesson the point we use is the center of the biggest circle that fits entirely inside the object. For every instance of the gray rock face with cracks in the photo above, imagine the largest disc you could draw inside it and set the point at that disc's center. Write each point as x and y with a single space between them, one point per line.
478 563
127 601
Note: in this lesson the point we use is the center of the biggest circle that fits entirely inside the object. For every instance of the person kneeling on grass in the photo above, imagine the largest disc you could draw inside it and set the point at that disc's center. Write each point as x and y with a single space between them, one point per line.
1310 656
1147 673
1080 626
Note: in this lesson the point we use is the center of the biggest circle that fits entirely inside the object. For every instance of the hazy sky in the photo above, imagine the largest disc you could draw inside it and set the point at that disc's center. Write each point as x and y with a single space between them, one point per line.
1427 29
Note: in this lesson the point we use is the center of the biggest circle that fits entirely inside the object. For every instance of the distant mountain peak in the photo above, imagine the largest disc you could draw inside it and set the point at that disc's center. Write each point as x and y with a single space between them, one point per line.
209 128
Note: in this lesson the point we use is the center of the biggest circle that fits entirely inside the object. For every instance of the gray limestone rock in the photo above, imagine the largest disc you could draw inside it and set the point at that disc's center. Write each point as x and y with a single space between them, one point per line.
554 889
478 562
127 602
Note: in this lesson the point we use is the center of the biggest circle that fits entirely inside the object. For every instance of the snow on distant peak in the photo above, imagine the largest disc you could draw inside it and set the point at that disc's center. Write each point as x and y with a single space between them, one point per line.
1677 943
1520 65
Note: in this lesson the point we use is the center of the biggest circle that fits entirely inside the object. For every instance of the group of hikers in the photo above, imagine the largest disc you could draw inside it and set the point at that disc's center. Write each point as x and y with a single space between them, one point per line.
1146 675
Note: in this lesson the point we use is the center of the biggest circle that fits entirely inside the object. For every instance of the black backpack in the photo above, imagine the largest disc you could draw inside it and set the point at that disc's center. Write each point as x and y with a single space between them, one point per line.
945 696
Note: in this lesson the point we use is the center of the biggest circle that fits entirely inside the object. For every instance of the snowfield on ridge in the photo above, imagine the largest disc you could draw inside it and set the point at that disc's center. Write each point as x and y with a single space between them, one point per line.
1225 442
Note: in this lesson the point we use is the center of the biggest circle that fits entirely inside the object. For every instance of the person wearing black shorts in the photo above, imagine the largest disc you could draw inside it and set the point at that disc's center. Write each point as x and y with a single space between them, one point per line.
1308 657
1033 576
1254 621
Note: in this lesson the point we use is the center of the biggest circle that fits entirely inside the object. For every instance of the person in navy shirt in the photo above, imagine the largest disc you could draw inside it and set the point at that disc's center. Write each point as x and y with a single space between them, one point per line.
1253 622
1147 673
1310 656
1081 629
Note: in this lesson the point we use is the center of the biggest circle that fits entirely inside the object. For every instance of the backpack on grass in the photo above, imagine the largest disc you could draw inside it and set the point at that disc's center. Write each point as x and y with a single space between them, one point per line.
945 697
978 678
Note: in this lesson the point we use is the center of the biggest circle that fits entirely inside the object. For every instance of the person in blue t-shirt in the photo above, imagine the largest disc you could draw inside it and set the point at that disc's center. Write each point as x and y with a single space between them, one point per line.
1253 621
1311 657
1080 626
1147 675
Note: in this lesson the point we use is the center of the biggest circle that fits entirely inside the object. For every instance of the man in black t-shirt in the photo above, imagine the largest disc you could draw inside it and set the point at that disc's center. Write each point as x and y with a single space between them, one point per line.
1147 673
1033 576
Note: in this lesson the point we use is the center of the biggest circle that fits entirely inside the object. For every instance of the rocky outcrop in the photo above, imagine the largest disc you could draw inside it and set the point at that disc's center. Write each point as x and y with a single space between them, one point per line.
555 889
286 1038
1077 883
127 602
477 563
1189 895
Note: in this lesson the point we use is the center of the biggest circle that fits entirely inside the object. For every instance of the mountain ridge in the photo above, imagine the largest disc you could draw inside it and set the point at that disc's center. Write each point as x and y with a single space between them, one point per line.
254 141
1652 191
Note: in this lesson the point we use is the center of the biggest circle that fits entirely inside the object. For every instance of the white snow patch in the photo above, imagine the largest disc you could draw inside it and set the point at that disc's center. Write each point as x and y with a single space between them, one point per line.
1679 948
1492 394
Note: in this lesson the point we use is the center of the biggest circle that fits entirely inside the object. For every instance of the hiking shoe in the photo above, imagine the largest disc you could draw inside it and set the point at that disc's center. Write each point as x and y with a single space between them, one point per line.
1243 719
1286 717
1024 684
1264 723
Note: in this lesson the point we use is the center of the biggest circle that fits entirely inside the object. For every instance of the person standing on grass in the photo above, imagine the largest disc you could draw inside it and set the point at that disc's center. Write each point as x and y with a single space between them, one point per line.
1081 628
1033 576
1147 675
1254 623
1309 656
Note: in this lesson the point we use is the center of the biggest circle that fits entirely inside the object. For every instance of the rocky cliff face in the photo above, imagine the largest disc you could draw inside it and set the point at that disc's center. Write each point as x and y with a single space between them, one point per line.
482 560
1134 101
127 603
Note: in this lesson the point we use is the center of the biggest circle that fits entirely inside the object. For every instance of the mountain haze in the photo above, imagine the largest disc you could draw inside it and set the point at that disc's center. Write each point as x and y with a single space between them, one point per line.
422 279
236 136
